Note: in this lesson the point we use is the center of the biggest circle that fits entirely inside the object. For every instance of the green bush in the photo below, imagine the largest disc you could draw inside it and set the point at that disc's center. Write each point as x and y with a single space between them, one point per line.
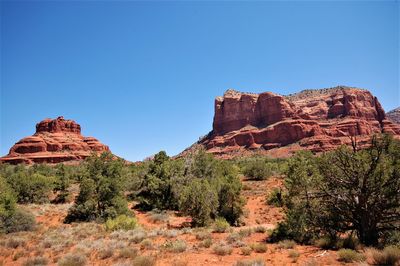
121 222
258 169
275 198
221 225
13 219
101 188
349 255
388 256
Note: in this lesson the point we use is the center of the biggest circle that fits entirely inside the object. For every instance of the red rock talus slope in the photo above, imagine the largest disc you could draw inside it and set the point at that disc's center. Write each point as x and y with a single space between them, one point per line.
394 115
316 120
55 141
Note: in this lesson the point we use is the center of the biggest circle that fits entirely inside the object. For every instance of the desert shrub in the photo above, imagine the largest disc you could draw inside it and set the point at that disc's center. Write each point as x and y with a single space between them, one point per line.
349 242
260 229
201 235
121 222
144 261
245 232
199 201
275 198
234 237
286 244
20 220
128 252
31 188
12 219
35 261
206 243
61 184
349 255
326 242
294 255
250 262
259 247
157 188
71 259
19 254
100 195
327 195
105 253
15 242
176 246
222 249
257 169
388 256
246 251
220 225
146 244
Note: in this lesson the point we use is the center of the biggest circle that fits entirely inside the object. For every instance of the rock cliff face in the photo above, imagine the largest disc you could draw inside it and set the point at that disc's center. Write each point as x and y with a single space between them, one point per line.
56 140
316 120
394 115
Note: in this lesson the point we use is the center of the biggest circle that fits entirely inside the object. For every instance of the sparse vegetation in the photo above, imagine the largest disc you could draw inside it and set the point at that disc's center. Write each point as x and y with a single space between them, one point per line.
221 225
222 249
388 256
144 261
349 255
250 262
35 261
72 259
121 222
259 247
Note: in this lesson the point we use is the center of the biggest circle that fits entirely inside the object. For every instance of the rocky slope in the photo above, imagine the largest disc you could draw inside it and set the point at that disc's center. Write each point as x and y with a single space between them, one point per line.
394 115
316 120
56 140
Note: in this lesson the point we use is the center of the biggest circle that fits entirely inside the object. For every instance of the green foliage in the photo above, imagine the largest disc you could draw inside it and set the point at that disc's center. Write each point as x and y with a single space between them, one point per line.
349 255
62 184
12 219
275 198
221 225
121 222
258 169
101 188
341 191
198 185
200 201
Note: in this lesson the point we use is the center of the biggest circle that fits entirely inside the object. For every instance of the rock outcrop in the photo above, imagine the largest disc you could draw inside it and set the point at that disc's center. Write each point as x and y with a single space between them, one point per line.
316 120
56 140
394 115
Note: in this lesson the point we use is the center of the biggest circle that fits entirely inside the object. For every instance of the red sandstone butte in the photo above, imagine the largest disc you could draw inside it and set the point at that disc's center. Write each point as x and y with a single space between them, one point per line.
316 120
56 140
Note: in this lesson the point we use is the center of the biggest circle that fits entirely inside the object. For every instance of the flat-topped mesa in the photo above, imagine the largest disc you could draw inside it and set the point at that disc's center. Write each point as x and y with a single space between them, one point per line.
317 120
56 140
58 125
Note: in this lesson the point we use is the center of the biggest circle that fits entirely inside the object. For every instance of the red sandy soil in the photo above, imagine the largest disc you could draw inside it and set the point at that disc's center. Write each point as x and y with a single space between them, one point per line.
50 218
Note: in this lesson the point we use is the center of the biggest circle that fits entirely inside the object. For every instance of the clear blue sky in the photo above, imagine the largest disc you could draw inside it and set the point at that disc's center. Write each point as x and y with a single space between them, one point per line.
142 76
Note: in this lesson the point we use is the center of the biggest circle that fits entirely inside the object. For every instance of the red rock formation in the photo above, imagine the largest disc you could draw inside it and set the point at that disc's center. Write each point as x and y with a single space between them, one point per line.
394 115
56 140
317 120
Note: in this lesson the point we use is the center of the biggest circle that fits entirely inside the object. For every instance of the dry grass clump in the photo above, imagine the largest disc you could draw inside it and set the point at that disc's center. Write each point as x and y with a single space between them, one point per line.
260 229
144 261
18 254
202 235
349 255
105 253
245 232
246 251
388 256
73 259
146 244
133 236
222 249
221 225
177 246
250 262
128 253
15 242
259 247
294 255
286 244
36 261
171 233
206 243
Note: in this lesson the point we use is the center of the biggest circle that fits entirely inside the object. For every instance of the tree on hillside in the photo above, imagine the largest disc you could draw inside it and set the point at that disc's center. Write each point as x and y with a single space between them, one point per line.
101 188
344 190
